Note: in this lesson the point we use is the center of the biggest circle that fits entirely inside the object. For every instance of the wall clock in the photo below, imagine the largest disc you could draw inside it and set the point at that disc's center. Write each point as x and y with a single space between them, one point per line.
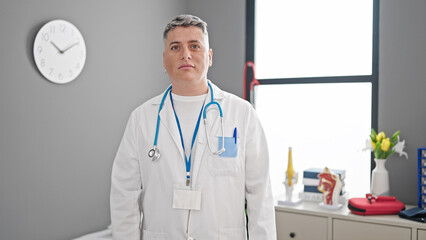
59 51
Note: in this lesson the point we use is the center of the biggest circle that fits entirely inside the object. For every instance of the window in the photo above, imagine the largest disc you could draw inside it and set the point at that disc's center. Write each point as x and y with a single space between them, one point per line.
316 62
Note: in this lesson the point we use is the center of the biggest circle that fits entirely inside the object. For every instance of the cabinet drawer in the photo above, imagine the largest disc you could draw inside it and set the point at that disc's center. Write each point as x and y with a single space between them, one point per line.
421 234
352 230
298 226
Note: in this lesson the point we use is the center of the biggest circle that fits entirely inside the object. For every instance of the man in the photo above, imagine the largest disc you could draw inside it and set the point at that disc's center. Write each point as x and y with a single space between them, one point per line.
197 185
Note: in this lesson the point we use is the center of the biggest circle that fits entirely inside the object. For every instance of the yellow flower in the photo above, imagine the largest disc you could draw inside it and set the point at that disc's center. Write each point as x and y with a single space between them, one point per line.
380 136
374 145
385 145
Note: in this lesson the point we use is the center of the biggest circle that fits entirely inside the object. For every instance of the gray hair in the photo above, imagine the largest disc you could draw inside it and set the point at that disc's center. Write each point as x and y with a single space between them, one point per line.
185 20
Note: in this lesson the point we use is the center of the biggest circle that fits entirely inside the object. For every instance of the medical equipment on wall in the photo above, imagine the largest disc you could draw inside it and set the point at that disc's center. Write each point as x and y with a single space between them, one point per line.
252 83
154 153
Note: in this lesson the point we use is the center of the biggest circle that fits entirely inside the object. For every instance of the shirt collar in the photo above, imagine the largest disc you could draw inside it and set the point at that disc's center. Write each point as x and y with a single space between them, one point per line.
217 94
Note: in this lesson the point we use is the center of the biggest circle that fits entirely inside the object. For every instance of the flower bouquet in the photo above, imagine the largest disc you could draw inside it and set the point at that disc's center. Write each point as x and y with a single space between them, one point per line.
383 147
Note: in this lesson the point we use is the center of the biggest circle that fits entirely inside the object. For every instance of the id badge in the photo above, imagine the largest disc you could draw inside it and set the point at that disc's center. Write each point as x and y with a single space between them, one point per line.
185 198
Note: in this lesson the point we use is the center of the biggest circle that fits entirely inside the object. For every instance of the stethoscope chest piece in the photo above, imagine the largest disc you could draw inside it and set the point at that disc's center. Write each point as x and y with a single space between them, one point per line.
154 154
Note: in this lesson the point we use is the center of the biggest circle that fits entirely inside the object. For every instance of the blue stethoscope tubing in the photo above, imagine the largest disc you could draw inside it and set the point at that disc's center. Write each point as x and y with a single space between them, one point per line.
154 153
213 102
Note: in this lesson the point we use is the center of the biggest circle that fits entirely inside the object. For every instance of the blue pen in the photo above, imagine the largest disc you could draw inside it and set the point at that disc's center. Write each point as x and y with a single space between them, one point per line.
235 135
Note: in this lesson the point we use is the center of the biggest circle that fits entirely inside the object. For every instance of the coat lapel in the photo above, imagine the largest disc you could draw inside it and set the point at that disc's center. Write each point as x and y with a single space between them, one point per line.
199 151
213 127
168 121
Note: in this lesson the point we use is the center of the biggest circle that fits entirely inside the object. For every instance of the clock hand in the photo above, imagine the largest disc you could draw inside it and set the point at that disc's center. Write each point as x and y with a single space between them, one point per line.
69 47
57 48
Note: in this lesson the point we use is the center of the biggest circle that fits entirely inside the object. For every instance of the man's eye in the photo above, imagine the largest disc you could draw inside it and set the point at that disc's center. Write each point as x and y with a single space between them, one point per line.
195 46
174 48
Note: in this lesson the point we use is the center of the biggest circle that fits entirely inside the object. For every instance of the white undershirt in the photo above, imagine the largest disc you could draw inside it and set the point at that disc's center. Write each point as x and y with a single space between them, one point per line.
188 109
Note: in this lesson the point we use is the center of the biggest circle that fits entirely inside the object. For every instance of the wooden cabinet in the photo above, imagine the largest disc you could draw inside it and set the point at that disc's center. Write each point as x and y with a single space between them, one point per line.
299 226
421 234
308 221
353 230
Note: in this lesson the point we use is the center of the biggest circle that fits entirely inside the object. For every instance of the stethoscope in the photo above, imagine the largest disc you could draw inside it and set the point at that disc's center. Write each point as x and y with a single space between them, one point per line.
154 153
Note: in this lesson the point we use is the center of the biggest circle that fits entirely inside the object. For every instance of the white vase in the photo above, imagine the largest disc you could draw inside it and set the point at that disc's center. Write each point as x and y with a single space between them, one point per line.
380 179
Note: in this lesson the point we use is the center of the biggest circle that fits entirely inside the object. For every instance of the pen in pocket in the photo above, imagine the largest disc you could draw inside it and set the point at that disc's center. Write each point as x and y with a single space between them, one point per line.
235 135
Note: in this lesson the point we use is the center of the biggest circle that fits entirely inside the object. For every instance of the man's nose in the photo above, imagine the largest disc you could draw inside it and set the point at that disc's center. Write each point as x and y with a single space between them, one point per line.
186 54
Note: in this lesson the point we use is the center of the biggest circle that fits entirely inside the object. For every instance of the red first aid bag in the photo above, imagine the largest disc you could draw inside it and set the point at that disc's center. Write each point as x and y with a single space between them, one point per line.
372 205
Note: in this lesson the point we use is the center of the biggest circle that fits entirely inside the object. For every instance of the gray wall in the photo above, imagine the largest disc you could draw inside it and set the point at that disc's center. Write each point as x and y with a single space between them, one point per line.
57 143
226 24
402 87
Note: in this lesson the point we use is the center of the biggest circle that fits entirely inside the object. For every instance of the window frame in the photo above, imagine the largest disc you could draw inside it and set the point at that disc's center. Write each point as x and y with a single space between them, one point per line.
373 78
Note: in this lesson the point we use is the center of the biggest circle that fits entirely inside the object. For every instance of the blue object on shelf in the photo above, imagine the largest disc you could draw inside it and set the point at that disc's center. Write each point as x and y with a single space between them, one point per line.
313 173
421 155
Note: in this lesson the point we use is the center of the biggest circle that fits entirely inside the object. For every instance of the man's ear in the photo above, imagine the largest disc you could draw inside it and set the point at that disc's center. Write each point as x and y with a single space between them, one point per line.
210 57
164 61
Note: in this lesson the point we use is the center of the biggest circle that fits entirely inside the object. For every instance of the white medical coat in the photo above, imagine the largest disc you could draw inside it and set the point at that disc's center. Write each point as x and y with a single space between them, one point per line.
141 187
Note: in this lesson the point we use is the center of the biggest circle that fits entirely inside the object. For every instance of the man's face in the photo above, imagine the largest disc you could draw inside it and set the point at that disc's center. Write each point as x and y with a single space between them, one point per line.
186 55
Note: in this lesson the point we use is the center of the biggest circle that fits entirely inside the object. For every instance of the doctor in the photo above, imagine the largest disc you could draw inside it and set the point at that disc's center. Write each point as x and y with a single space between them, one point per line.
179 177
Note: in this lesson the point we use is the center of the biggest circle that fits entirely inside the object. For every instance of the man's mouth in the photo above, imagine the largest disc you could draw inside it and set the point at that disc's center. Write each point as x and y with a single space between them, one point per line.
186 66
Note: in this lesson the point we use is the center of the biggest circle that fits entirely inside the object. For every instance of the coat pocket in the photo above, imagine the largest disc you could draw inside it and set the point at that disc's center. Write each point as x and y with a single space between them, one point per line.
228 163
232 234
231 147
219 166
148 235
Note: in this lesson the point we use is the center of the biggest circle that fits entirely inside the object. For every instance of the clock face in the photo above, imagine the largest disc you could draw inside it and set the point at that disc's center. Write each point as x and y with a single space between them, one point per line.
59 51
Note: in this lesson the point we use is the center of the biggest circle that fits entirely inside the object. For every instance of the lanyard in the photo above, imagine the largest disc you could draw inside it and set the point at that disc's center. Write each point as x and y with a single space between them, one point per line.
187 160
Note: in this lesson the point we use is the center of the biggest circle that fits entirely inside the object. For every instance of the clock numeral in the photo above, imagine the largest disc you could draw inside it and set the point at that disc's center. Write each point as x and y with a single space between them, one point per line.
39 49
51 71
81 54
42 62
70 73
45 36
60 77
62 27
52 29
